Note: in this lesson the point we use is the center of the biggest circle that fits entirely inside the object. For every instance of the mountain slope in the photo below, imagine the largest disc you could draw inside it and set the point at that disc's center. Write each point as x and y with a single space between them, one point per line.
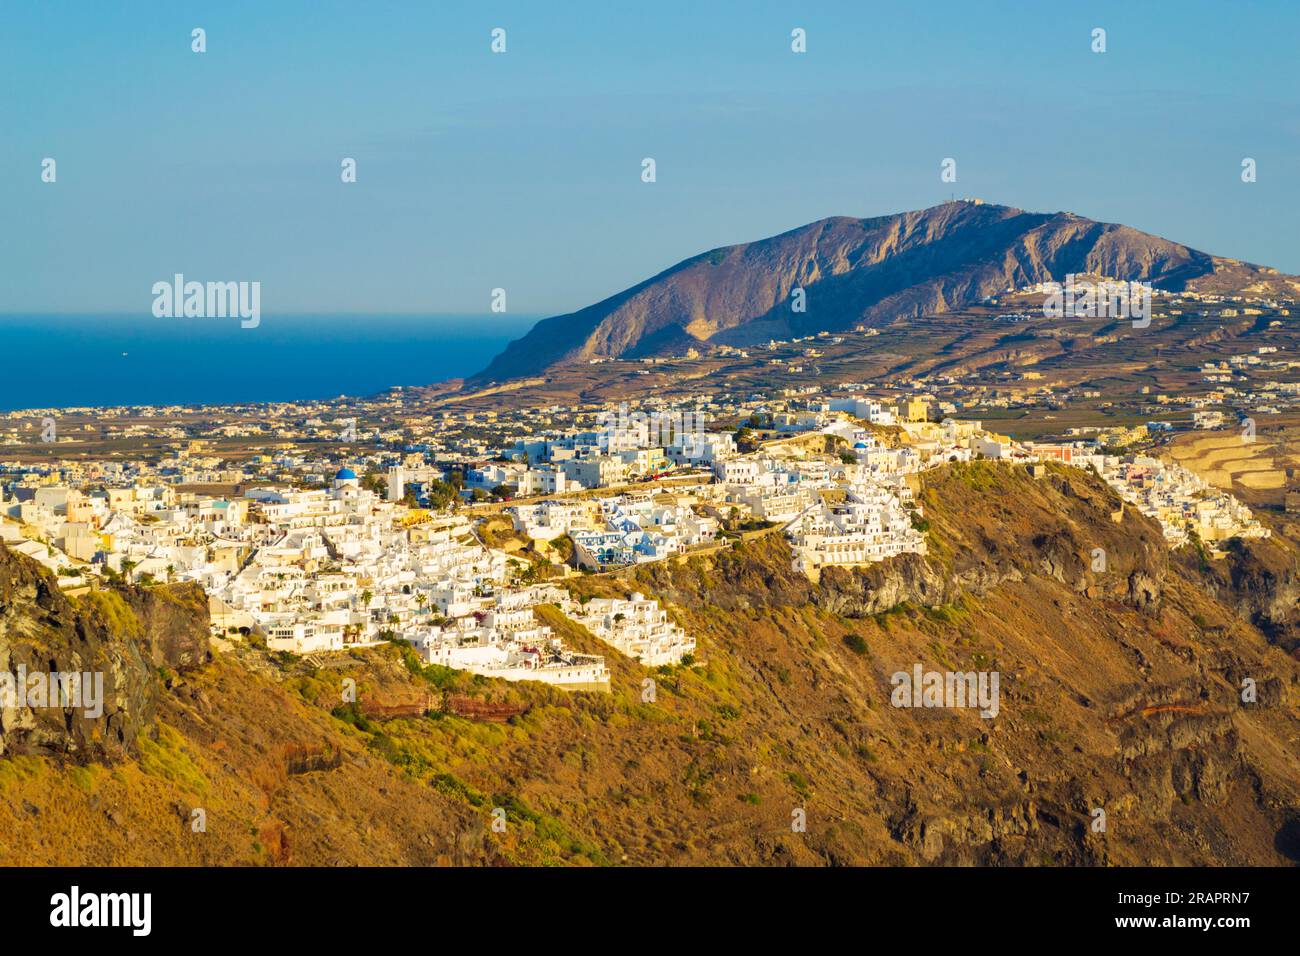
1120 691
863 271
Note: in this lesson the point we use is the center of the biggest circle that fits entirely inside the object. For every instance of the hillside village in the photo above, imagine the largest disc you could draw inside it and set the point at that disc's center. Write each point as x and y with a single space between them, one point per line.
313 562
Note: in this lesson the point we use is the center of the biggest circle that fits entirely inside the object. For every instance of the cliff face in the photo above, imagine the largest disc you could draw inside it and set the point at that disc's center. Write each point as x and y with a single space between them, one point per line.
114 641
1121 691
1123 677
988 528
173 624
862 271
992 528
1260 579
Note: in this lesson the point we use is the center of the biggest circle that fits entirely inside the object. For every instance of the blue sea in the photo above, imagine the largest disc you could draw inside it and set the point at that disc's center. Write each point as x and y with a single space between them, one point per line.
100 360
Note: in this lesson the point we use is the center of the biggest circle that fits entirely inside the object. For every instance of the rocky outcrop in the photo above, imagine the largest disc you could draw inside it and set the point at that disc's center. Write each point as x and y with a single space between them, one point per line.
1260 580
174 624
1176 742
80 678
907 579
1062 530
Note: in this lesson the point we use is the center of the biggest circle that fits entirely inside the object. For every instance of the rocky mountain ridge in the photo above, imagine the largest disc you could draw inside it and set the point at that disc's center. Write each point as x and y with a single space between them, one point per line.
838 273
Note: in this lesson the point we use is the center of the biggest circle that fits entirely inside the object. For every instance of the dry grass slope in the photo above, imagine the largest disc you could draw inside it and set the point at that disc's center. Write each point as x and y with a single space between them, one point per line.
1111 697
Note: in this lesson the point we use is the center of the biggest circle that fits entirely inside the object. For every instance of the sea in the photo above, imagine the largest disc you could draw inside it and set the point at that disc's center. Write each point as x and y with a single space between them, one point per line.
65 361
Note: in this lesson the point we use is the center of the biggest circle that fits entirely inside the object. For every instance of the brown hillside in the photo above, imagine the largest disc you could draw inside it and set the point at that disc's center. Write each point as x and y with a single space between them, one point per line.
1120 691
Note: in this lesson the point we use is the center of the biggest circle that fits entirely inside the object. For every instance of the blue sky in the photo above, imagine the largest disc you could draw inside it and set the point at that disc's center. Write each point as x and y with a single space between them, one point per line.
522 170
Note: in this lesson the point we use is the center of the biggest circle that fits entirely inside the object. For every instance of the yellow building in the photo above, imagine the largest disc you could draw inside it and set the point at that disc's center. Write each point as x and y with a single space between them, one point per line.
912 410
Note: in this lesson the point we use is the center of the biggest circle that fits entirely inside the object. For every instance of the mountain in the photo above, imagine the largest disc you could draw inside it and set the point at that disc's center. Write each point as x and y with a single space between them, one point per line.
1120 691
872 271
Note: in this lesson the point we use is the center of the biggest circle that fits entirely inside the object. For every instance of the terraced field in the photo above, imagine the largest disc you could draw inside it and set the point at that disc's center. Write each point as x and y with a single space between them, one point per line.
1256 471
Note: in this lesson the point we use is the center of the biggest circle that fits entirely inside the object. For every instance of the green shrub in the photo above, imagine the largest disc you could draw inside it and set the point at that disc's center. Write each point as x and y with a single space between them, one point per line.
351 714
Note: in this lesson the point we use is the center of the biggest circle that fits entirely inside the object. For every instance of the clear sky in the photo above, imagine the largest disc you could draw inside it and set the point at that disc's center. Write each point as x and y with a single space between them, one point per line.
523 170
